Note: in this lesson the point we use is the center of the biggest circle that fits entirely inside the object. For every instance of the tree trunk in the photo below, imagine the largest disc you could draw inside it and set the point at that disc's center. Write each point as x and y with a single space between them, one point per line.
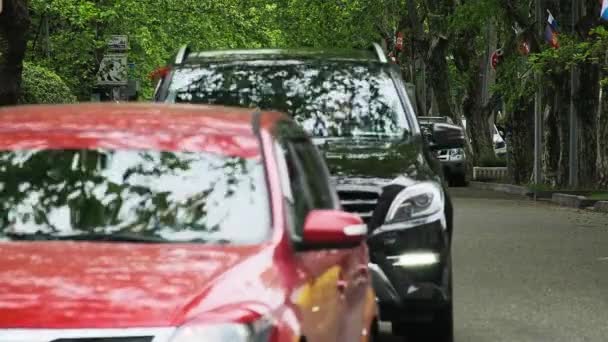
438 12
422 88
477 115
14 22
555 127
489 75
520 141
551 148
563 126
602 142
419 50
438 73
587 114
430 50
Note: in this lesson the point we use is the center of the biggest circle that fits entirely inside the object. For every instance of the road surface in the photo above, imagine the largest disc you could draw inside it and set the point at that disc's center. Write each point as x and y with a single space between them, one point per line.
528 272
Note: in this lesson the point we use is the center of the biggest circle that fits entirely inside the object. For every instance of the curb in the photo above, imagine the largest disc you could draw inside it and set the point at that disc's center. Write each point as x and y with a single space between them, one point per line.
601 206
490 173
572 201
506 188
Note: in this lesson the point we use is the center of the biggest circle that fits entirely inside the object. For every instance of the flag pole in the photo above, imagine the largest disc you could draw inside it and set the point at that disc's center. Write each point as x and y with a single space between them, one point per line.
573 155
538 108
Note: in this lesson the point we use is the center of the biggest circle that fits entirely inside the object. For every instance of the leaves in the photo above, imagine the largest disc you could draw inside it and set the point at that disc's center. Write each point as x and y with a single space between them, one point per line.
40 85
78 30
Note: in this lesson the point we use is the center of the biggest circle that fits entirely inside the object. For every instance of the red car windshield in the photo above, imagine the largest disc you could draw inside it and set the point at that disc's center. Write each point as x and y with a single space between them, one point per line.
159 196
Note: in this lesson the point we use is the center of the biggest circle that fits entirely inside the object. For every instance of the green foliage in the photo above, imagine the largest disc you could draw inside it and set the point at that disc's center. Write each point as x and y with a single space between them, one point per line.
515 81
599 196
492 161
473 15
458 83
573 52
557 61
41 85
79 30
156 28
321 23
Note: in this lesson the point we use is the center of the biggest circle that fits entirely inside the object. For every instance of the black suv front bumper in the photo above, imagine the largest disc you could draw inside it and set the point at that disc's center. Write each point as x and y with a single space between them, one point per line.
408 290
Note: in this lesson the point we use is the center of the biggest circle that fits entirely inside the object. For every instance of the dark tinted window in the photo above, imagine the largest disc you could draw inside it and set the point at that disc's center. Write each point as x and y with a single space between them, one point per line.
299 202
169 196
328 99
313 175
308 181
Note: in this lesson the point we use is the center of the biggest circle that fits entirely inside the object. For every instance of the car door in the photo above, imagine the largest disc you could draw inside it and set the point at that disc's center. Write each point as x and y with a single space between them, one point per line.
354 285
333 310
317 293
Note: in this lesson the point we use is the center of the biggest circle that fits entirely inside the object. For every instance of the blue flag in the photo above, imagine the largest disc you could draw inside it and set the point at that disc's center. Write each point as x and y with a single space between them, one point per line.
551 31
604 14
553 23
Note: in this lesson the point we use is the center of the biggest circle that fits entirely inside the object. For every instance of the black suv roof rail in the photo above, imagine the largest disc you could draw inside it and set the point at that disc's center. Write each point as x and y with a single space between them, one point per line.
185 50
182 54
379 53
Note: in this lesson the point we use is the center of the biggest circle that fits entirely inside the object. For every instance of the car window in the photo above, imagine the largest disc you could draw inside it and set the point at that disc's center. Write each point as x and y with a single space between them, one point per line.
297 197
168 196
284 174
309 187
314 175
327 99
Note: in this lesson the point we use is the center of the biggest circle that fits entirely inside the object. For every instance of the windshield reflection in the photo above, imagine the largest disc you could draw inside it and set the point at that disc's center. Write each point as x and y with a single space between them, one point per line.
328 100
165 196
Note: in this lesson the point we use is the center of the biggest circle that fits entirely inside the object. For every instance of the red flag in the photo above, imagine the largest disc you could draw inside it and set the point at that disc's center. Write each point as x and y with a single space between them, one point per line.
496 58
159 73
399 42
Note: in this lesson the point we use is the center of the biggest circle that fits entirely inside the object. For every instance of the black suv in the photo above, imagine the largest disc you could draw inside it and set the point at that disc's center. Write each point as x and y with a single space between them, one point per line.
356 108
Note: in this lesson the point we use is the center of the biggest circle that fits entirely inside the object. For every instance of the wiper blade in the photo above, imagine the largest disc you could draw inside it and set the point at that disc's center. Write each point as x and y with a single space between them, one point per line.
85 237
94 237
120 237
28 236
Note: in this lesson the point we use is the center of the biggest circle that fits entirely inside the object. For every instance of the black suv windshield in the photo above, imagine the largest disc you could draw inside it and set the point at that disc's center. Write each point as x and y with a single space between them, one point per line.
135 195
327 99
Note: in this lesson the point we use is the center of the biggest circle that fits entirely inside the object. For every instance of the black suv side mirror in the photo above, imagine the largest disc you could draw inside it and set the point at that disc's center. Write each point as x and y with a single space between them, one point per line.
446 136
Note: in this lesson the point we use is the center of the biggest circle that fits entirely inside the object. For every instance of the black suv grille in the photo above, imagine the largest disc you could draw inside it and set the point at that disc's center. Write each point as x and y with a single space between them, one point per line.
359 201
107 339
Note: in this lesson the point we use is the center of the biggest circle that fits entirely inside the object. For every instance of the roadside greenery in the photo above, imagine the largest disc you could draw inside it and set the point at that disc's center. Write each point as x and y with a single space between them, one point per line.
492 161
599 196
446 53
42 86
79 29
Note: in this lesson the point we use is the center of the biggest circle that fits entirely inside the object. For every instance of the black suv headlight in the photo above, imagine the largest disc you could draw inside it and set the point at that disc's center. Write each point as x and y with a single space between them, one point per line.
416 205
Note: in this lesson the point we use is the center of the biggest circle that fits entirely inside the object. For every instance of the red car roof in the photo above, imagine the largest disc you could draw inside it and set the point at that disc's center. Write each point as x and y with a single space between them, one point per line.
134 126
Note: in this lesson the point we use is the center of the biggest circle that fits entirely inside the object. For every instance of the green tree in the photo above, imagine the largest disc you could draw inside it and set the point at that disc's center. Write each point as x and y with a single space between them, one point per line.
447 48
14 22
78 31
41 85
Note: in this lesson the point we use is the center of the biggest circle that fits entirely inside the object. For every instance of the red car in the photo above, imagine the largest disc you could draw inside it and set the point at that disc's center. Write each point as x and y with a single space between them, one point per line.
148 223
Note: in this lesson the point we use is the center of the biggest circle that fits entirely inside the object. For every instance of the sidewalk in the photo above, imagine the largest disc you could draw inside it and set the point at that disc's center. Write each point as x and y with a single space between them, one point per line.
571 199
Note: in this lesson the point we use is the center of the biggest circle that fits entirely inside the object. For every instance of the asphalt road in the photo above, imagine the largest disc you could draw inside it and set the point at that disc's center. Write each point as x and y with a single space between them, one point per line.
527 271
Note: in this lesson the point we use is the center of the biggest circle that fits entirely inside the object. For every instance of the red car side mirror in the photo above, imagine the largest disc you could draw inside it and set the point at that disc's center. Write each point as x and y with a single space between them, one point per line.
333 229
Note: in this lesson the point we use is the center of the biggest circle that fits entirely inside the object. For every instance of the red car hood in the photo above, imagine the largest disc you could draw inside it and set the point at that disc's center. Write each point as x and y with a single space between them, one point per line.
102 285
